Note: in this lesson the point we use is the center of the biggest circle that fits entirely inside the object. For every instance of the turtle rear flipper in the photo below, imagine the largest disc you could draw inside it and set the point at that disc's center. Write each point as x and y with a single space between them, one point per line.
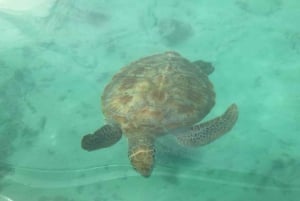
106 136
204 133
206 67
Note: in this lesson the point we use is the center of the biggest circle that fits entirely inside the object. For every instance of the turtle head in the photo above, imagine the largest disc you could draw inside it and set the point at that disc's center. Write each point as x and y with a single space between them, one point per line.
141 155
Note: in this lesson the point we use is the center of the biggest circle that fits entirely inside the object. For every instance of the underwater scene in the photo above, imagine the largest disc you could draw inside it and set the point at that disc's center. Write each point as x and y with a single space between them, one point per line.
75 127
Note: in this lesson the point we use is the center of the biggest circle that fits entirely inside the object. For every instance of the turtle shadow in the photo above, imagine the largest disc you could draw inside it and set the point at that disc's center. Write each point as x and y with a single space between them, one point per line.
173 159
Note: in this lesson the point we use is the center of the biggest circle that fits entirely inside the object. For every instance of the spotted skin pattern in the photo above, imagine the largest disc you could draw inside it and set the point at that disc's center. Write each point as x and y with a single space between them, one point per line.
205 133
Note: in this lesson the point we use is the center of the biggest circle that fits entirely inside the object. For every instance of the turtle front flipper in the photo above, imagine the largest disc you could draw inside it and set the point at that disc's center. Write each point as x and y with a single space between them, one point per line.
204 133
101 138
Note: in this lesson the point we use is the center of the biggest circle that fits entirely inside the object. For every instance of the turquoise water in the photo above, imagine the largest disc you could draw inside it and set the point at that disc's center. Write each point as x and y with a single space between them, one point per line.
56 57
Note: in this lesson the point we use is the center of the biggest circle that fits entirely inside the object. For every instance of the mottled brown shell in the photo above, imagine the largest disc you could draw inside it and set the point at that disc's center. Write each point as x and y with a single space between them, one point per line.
157 94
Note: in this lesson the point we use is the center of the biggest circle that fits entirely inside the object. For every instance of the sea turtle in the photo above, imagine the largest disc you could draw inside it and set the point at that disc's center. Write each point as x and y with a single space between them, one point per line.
154 96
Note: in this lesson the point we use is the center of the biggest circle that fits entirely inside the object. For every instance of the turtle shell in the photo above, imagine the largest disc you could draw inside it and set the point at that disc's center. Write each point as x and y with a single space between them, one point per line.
157 94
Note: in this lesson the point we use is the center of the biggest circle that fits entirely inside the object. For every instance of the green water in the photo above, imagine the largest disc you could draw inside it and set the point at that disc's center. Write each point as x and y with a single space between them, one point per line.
56 56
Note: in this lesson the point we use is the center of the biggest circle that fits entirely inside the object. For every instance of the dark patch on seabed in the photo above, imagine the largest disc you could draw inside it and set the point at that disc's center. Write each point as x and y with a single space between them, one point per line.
12 128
